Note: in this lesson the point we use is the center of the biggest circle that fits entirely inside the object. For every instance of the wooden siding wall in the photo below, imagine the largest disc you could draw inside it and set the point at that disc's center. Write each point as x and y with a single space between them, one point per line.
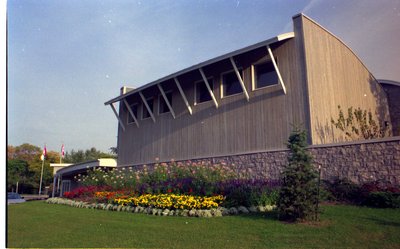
237 126
335 77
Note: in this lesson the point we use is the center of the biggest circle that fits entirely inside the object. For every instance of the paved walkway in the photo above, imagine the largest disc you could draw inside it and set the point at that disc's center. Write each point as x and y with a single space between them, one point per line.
35 197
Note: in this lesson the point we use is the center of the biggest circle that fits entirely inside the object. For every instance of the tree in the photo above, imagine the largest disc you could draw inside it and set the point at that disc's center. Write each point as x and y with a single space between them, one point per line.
36 168
18 172
74 156
30 155
84 156
298 194
10 152
359 124
24 164
27 152
113 150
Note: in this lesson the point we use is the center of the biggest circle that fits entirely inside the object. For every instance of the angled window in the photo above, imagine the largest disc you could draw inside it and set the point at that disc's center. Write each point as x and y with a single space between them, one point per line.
145 113
163 107
231 84
201 91
134 108
264 75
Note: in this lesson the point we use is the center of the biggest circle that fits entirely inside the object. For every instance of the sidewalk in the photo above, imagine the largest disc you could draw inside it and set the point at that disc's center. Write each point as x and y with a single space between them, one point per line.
34 197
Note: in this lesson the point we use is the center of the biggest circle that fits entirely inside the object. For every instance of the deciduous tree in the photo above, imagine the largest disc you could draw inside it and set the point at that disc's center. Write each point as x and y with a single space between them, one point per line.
359 124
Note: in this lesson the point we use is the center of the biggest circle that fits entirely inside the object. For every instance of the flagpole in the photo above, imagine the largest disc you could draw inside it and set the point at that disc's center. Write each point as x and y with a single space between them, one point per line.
44 154
41 177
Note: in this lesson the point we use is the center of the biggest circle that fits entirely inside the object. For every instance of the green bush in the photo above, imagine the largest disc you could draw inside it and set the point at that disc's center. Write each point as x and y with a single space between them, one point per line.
344 190
248 192
266 198
382 200
325 195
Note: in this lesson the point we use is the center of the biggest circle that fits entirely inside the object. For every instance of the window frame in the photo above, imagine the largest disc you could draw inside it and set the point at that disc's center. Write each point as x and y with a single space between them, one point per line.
254 76
195 90
222 82
129 115
144 109
161 98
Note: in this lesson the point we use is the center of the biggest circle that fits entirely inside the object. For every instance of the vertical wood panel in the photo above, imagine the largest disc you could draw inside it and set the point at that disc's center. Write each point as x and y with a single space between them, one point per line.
335 77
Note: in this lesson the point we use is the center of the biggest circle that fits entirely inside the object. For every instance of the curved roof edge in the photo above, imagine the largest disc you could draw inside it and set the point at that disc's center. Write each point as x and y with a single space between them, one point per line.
102 162
337 38
275 39
389 82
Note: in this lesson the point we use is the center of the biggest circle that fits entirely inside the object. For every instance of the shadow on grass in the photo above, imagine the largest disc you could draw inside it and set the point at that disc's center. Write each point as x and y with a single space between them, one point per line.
384 222
273 215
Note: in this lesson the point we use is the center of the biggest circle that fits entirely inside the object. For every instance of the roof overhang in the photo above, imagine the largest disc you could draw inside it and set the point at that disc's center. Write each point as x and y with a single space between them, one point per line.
389 82
103 162
265 43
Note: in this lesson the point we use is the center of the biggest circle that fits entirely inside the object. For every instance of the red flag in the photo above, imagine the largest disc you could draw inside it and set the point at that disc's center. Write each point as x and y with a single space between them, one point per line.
62 151
44 154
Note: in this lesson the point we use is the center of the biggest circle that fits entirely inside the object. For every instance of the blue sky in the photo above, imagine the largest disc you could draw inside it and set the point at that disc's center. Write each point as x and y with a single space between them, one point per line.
67 57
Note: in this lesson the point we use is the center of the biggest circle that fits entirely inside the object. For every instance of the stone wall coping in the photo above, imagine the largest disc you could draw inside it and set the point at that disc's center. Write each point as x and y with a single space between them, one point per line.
357 142
208 157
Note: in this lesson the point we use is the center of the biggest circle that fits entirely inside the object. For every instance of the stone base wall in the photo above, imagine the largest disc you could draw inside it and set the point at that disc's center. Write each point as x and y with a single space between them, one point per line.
360 162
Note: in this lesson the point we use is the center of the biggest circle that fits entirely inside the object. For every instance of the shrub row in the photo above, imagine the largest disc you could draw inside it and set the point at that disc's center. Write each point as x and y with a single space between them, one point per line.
188 178
378 194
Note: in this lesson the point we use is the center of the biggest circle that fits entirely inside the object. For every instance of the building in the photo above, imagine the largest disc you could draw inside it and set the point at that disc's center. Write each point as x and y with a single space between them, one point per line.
57 166
246 101
63 179
392 89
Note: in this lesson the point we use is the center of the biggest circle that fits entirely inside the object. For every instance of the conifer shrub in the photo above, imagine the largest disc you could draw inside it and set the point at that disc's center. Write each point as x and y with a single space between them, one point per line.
298 194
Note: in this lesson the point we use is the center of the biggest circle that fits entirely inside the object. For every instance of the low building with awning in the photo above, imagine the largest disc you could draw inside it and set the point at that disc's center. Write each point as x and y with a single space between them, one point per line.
64 178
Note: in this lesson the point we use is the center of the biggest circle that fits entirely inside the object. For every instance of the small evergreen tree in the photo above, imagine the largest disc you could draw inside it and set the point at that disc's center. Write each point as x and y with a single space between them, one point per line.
298 194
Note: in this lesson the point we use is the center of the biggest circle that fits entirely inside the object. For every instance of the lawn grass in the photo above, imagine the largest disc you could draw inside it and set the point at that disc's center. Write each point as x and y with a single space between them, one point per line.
38 224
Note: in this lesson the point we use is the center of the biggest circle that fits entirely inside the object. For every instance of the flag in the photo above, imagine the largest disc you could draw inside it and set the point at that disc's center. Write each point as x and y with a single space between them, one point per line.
44 154
62 151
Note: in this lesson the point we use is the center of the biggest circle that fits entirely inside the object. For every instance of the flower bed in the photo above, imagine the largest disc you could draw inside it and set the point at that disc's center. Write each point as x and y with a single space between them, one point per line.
206 213
86 191
175 187
190 179
171 201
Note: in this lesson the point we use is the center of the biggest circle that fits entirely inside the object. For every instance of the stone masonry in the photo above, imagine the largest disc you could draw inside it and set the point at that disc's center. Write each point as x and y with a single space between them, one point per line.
360 161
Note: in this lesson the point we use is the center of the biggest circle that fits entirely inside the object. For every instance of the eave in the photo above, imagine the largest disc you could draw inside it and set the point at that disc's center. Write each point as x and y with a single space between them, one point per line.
265 43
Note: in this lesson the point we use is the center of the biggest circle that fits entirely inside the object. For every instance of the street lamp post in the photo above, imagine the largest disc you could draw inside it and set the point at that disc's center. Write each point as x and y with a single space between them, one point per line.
319 182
